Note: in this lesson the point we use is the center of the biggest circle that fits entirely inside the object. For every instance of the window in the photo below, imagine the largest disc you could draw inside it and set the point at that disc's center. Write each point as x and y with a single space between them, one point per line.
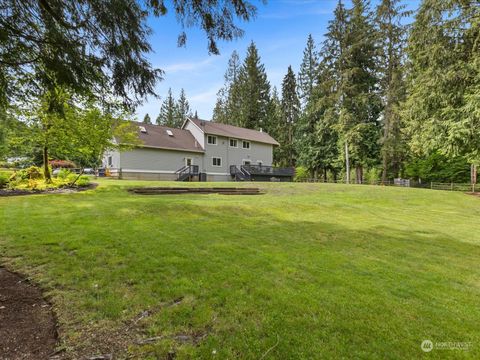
212 140
233 143
217 161
246 144
246 162
110 161
188 161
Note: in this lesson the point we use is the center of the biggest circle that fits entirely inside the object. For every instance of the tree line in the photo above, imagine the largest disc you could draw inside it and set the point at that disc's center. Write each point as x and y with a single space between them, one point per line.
173 112
380 95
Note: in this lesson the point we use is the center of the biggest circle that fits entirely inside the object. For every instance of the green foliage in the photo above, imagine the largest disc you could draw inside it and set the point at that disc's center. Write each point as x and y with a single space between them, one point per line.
4 179
308 75
104 44
147 119
63 174
168 110
438 168
290 112
301 174
182 109
441 111
373 175
34 173
83 180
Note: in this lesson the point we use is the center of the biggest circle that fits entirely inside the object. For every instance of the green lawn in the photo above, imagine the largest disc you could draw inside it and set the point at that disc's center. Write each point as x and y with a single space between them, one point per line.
306 271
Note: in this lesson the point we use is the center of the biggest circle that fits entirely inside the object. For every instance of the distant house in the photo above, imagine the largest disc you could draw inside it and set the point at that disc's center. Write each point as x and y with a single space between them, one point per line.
200 150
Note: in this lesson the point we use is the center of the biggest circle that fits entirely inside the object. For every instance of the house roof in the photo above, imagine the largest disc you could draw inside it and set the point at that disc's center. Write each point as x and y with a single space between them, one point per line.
156 136
210 127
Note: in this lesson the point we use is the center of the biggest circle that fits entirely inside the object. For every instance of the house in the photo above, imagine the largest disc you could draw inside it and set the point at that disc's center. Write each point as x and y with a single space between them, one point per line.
199 150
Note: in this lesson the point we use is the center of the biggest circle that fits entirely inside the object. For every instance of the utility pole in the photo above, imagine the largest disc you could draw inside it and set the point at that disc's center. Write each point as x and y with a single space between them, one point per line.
347 162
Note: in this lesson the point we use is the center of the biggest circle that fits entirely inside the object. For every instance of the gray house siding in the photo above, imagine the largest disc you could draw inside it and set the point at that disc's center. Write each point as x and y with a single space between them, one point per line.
155 164
257 152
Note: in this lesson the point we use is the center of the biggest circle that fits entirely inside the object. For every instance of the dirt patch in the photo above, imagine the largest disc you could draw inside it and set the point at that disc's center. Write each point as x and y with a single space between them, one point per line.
65 190
27 329
474 193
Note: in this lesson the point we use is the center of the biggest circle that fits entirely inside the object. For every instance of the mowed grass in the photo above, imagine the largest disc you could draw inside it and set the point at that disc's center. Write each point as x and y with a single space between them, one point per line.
307 271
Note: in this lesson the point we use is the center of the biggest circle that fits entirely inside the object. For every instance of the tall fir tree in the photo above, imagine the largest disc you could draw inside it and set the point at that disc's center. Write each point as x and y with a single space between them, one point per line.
147 119
227 107
391 35
442 112
167 111
254 92
182 109
359 102
275 128
290 106
308 73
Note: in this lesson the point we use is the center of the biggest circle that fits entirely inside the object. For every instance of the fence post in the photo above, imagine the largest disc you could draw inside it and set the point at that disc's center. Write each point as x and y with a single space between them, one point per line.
120 173
431 185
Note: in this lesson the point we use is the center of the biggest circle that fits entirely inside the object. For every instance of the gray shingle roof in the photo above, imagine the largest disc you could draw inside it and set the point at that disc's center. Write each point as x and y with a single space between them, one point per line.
236 132
156 136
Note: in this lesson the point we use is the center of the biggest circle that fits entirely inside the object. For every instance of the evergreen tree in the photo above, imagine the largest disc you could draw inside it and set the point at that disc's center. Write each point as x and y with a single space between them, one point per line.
290 106
167 111
146 119
182 109
227 107
359 104
254 92
391 40
308 71
275 128
442 111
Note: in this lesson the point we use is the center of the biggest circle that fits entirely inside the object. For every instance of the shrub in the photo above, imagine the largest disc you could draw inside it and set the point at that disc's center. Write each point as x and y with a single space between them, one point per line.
373 175
4 180
65 164
301 174
34 173
83 180
63 174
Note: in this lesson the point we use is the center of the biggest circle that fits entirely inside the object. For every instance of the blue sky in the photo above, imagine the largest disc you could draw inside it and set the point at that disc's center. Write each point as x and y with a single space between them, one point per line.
280 32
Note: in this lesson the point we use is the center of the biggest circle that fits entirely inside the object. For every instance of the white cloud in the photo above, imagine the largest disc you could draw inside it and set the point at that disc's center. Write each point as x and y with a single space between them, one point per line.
188 66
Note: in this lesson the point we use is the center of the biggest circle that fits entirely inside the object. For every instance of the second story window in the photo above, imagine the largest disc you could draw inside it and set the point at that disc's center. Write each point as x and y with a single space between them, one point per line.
211 140
246 144
233 143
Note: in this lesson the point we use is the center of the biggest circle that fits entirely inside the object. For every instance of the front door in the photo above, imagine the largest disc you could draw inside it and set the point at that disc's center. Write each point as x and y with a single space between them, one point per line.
188 161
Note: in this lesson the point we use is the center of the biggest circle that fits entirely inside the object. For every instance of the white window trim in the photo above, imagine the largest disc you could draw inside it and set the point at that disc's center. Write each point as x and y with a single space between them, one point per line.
243 161
230 144
188 158
217 157
246 142
213 137
260 162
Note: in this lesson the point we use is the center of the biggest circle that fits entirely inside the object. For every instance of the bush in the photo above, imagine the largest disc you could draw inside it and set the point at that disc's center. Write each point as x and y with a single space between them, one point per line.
301 174
63 174
83 180
4 180
65 164
34 173
373 175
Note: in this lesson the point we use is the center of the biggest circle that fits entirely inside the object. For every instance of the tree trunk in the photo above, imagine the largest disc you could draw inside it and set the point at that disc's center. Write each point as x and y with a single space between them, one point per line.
347 163
46 169
384 170
473 173
359 174
324 174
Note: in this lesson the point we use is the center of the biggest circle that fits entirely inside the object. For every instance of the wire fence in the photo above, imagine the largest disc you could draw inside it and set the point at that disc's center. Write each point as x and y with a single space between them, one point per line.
464 187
